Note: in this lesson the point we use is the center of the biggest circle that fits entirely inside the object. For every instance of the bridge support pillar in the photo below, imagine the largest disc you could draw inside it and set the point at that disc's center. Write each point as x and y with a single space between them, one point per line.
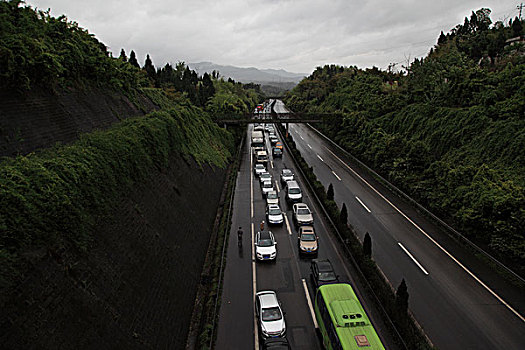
286 128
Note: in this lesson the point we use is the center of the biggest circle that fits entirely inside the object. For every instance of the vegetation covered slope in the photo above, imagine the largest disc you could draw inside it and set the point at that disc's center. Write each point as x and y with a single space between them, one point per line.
450 129
54 196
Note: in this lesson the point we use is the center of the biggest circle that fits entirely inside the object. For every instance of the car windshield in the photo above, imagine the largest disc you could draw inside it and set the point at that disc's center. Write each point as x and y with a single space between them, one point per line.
327 276
272 195
265 243
303 211
276 211
294 190
271 314
308 237
266 176
259 166
287 172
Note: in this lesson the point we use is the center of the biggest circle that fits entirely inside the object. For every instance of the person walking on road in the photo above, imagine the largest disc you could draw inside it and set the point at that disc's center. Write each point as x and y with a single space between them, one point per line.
239 236
262 225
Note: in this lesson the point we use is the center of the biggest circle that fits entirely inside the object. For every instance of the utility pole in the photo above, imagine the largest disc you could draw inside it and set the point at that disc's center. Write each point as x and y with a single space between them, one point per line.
519 8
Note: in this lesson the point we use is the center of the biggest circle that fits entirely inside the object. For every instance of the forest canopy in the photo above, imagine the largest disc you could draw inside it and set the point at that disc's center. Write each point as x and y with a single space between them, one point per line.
449 129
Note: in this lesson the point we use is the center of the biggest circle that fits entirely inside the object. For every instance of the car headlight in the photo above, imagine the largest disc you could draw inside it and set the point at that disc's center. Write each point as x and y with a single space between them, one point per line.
259 255
273 254
303 248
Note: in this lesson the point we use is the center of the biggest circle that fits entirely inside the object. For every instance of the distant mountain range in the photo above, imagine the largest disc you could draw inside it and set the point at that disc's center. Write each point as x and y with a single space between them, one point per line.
249 75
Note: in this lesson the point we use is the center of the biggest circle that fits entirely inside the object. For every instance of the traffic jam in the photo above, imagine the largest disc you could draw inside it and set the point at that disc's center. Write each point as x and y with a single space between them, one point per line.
356 329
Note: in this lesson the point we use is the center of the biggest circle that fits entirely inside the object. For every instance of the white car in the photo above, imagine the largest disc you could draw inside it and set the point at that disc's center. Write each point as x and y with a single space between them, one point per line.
272 198
265 246
269 314
274 215
265 177
267 186
286 175
259 169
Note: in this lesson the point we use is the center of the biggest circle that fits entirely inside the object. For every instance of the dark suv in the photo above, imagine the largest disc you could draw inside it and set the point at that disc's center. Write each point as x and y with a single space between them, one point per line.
322 272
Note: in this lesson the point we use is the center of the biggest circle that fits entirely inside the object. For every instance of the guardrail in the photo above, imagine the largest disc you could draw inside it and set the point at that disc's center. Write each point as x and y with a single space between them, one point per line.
418 206
342 240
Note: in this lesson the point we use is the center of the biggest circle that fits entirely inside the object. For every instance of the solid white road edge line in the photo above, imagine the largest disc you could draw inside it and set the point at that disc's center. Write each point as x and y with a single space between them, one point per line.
251 185
254 287
434 241
338 178
309 301
287 224
413 259
318 156
363 204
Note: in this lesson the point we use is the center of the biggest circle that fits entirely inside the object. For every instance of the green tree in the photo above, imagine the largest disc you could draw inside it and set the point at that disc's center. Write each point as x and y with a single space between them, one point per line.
150 69
343 216
402 297
330 193
367 245
442 39
123 56
133 59
517 28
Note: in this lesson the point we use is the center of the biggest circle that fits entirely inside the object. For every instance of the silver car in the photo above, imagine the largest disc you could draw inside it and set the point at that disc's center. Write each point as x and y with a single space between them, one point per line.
267 186
286 175
272 198
265 177
269 314
259 169
274 215
302 214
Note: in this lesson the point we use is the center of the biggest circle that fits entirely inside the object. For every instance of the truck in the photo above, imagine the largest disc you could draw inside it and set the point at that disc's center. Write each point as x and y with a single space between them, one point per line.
257 141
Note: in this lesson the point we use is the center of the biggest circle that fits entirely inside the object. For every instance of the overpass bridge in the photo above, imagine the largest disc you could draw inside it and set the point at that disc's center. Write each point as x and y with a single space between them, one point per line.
287 118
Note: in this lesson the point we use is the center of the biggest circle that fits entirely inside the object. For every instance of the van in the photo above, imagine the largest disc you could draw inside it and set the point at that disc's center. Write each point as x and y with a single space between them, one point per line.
261 157
293 192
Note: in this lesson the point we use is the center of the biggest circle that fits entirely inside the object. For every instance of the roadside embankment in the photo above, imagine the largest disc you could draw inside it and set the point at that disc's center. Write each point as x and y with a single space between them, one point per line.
103 240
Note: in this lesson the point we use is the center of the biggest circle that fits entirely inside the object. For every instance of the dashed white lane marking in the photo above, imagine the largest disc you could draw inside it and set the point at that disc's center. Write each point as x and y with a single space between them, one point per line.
287 224
271 163
338 178
309 301
301 137
277 186
309 145
413 259
363 204
318 156
470 273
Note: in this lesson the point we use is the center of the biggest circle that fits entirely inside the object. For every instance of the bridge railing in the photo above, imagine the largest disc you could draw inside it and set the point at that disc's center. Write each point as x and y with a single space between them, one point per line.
276 118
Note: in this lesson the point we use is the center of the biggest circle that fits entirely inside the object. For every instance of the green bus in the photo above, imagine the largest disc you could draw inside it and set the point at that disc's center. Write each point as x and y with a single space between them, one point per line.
342 320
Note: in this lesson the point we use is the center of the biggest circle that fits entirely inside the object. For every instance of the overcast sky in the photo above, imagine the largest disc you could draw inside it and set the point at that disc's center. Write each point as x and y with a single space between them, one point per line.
295 35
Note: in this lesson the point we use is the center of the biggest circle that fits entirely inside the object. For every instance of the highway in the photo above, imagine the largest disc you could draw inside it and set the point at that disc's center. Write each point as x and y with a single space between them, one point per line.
459 302
288 276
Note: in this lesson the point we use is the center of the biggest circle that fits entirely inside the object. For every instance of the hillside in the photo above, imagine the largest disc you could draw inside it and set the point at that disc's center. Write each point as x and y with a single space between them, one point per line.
450 129
248 75
110 189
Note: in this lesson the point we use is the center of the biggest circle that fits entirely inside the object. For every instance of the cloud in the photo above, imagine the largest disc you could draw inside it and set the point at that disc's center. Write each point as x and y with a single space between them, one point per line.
296 35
